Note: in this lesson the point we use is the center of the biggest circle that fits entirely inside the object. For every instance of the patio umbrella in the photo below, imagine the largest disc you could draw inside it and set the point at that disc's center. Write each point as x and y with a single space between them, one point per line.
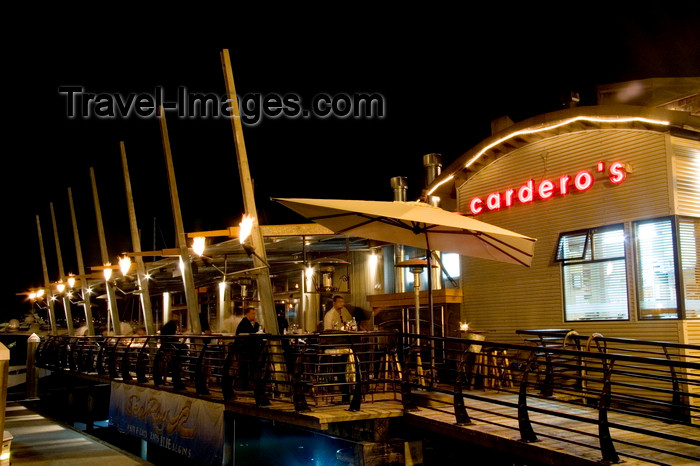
416 224
420 225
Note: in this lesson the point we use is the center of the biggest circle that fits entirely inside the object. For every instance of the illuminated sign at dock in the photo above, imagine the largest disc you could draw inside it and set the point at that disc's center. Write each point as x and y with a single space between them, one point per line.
546 188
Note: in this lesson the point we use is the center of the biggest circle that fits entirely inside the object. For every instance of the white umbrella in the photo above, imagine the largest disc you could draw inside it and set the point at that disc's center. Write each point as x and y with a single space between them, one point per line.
420 225
416 224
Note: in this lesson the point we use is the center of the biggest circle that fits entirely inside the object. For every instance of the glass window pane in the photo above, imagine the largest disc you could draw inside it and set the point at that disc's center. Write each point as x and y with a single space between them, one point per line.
689 239
572 246
656 273
609 243
595 291
451 262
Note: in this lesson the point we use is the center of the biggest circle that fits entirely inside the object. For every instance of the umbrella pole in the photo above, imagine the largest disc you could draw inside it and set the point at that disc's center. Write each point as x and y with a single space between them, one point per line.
428 259
416 291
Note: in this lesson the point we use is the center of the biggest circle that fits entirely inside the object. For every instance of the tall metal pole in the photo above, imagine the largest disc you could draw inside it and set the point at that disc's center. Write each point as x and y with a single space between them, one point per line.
224 303
84 286
61 272
47 284
136 246
399 186
111 297
187 276
269 316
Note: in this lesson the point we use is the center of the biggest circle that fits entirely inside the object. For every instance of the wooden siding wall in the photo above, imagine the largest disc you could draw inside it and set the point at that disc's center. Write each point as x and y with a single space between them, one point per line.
501 298
686 169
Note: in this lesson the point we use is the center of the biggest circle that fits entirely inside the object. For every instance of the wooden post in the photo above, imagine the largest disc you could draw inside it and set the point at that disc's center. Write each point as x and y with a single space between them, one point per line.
187 276
47 284
136 247
111 298
84 285
61 272
269 316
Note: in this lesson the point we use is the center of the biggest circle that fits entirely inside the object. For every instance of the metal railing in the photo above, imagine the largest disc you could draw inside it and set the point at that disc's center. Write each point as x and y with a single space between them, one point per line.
610 377
645 380
334 368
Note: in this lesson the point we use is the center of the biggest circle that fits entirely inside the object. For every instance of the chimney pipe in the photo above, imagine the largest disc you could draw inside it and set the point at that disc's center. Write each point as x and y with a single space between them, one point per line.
400 186
433 167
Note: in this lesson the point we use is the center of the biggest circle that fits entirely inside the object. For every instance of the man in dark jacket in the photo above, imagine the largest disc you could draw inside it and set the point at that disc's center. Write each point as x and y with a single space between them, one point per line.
248 347
248 324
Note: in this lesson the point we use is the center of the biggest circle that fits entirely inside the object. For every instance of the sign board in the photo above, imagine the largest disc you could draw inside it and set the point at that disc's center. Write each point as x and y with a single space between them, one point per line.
188 426
546 188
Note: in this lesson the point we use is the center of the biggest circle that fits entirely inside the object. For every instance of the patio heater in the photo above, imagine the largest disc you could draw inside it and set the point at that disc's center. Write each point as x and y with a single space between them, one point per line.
416 266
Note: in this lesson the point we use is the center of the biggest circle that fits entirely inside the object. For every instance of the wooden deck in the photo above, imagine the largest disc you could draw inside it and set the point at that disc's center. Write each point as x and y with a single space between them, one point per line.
560 440
320 417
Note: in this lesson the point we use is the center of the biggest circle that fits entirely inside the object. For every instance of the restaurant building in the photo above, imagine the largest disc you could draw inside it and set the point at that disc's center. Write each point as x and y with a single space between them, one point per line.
612 194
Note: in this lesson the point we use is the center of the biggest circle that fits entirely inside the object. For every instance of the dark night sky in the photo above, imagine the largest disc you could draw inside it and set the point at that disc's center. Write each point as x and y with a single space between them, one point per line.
442 86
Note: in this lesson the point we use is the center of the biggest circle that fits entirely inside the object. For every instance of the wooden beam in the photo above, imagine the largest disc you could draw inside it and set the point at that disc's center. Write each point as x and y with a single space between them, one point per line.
144 253
212 233
298 229
105 267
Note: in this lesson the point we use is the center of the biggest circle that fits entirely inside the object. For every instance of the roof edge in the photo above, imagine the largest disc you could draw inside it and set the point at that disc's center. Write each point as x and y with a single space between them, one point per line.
569 120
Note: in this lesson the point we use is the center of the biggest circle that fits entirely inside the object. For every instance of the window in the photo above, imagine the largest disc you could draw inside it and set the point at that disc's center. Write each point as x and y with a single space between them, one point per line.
451 262
689 240
594 274
656 270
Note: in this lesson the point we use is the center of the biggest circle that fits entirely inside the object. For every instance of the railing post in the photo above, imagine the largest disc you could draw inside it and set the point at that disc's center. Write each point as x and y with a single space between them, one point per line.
80 349
126 364
89 362
157 369
200 377
101 358
63 359
461 415
527 433
227 380
72 349
142 362
260 377
678 409
606 444
176 367
356 400
298 395
112 361
409 404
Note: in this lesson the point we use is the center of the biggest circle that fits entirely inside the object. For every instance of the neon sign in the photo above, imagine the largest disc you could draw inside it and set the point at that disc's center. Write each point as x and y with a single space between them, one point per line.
546 189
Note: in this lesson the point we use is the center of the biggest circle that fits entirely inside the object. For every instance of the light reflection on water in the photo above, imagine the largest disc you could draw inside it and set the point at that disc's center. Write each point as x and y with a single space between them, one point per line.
261 443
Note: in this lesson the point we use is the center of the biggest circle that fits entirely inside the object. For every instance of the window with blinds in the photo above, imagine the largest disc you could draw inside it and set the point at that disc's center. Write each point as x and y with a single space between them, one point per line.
594 274
689 241
656 269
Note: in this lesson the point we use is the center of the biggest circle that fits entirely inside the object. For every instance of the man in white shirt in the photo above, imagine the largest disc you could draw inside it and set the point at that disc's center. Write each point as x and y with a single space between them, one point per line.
336 316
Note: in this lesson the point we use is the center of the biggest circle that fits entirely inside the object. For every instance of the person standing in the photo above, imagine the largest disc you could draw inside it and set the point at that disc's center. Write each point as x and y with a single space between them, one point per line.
249 347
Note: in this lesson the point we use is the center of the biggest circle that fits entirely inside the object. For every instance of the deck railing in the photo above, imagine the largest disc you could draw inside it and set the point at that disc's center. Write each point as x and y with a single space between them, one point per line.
609 376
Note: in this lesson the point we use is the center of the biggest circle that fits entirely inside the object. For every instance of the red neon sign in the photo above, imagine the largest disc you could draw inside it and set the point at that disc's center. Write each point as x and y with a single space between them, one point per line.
546 189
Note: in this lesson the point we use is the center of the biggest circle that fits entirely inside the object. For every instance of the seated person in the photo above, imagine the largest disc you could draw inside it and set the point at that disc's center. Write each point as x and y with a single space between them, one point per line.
248 323
337 316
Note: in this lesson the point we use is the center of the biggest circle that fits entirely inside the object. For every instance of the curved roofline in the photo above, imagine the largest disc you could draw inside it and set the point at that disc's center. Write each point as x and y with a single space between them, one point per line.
556 123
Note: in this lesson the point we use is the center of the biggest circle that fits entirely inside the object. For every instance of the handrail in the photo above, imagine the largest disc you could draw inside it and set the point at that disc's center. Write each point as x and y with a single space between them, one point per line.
607 378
